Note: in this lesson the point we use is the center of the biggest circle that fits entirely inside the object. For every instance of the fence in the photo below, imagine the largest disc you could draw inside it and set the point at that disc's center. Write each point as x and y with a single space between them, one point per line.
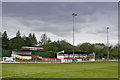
46 55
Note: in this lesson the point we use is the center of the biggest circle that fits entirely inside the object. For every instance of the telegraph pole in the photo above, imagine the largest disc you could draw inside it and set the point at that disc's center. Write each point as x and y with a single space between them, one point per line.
108 44
74 14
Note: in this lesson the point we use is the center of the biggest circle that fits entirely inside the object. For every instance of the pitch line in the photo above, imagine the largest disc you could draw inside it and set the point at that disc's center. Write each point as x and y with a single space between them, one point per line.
24 74
33 73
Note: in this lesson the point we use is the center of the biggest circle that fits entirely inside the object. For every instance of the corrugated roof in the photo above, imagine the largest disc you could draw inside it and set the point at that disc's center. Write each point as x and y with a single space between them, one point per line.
75 52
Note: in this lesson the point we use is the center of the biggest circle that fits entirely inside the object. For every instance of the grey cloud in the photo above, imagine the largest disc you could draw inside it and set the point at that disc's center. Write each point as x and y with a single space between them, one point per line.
57 17
61 1
103 31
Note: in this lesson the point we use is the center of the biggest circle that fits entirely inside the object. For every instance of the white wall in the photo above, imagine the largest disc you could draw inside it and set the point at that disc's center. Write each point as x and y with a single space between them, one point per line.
20 52
22 57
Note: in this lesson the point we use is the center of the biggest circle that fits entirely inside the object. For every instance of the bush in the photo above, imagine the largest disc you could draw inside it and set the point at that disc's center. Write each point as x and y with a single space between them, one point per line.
6 53
49 54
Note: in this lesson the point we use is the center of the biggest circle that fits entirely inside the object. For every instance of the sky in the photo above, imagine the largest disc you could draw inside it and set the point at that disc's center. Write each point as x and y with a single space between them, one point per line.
60 0
56 20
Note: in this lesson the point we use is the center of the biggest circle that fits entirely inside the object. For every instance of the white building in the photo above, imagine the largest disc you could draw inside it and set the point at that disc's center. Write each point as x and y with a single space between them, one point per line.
67 56
20 54
26 53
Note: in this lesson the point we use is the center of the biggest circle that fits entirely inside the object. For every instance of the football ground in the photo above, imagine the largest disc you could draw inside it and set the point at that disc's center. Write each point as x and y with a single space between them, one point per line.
61 70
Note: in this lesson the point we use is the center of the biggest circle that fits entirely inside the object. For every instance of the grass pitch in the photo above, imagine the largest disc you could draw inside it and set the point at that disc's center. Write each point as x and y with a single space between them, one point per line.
61 70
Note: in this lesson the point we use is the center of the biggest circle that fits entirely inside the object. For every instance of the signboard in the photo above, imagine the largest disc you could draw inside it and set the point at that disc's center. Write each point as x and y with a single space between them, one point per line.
8 59
91 59
32 48
66 60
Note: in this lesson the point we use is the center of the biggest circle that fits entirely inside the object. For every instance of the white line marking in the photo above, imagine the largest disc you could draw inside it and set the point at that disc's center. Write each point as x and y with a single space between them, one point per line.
24 74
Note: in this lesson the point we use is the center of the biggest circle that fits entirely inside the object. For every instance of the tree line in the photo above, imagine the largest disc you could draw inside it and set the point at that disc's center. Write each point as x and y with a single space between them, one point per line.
54 46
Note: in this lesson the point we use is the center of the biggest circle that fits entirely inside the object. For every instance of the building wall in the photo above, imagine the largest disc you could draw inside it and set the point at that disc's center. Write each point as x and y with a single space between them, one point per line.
22 52
21 57
78 57
61 56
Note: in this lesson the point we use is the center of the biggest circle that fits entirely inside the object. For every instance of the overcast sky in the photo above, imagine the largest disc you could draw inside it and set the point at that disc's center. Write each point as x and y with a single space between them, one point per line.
55 19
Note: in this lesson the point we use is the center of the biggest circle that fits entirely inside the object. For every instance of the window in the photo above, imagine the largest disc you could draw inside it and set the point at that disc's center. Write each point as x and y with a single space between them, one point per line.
60 54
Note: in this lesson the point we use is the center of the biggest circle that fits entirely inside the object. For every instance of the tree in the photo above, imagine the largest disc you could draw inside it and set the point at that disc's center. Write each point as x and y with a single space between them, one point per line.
49 40
5 41
86 47
18 34
58 45
103 52
44 39
24 37
34 40
98 47
114 52
16 43
64 45
40 43
29 39
51 47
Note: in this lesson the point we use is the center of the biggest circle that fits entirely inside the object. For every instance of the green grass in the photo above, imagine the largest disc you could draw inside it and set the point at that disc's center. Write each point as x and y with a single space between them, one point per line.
49 60
0 59
62 70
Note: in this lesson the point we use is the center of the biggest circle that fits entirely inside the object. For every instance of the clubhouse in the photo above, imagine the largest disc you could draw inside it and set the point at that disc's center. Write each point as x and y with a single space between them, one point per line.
26 53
